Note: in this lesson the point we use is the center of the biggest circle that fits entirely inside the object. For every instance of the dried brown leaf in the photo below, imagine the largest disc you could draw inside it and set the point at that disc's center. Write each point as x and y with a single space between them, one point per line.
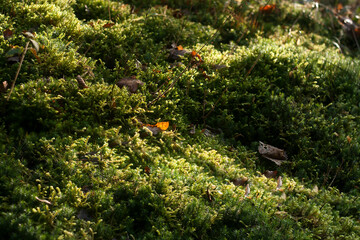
108 25
81 82
277 155
270 174
240 181
132 84
176 52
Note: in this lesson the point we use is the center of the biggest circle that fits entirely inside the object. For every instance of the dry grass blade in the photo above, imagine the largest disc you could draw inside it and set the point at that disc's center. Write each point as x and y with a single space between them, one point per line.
247 190
43 201
279 183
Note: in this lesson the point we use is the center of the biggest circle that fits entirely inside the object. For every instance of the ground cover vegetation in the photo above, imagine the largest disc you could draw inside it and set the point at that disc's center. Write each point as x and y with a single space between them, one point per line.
142 119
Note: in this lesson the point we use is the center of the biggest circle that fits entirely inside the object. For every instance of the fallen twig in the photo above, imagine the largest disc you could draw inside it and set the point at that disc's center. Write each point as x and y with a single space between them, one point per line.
18 70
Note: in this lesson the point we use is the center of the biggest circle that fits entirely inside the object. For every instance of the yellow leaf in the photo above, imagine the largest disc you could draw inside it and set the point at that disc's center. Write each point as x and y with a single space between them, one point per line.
162 125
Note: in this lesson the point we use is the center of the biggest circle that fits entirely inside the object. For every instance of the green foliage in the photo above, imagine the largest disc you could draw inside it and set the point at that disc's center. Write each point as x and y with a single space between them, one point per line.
90 9
81 162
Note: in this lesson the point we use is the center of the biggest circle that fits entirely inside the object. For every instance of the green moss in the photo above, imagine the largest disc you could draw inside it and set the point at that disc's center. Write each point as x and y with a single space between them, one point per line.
77 163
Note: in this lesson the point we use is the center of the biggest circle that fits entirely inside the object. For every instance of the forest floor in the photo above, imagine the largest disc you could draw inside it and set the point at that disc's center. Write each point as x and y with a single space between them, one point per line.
191 119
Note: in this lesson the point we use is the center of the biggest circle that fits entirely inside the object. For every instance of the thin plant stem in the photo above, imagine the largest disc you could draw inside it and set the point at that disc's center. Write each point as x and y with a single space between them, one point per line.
355 38
109 10
168 89
18 70
337 171
252 67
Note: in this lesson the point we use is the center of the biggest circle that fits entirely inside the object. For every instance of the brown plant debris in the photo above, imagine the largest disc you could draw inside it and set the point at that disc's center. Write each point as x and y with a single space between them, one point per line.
240 181
277 155
131 83
43 201
3 86
81 82
270 174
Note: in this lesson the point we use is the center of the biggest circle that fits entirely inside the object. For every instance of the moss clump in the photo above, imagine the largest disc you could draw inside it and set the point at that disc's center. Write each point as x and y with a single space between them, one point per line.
84 161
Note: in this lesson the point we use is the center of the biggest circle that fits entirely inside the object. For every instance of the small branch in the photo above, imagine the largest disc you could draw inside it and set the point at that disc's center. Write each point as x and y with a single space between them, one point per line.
18 70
